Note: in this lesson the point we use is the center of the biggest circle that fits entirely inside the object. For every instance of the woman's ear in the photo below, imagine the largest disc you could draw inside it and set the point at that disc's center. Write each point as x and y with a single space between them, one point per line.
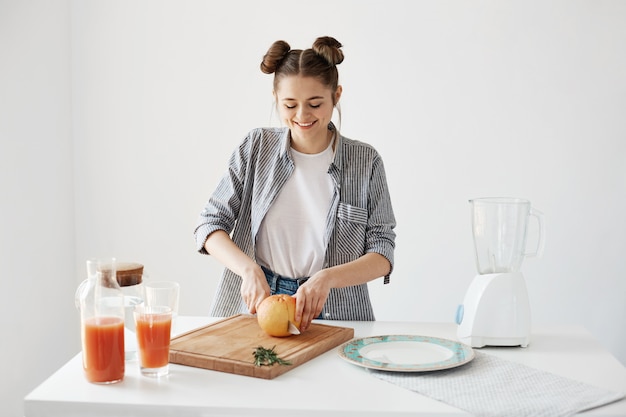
337 96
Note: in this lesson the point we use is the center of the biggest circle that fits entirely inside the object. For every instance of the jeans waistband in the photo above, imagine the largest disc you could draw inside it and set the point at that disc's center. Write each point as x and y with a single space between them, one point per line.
269 272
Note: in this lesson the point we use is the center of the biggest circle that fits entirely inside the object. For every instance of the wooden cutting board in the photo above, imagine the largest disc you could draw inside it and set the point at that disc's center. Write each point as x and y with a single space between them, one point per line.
228 346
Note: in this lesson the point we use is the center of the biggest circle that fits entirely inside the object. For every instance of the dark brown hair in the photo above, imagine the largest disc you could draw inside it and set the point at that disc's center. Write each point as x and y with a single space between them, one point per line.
320 61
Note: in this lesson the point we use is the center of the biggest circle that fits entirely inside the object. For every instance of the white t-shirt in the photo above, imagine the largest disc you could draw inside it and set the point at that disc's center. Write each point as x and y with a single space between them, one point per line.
291 240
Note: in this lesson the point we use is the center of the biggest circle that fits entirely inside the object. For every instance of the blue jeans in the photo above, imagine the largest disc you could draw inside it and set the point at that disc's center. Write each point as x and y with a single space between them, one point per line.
280 284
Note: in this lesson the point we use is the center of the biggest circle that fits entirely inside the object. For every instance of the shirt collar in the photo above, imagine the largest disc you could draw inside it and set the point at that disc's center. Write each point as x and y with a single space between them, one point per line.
286 144
338 159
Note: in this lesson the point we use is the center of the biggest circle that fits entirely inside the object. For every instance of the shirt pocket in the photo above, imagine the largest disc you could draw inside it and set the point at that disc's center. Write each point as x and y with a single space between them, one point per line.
351 227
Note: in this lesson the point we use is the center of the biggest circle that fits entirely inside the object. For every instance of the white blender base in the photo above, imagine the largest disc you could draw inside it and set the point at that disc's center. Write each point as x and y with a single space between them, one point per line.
495 311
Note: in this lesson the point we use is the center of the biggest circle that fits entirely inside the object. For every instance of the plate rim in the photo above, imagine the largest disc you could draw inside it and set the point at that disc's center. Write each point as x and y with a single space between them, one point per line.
467 350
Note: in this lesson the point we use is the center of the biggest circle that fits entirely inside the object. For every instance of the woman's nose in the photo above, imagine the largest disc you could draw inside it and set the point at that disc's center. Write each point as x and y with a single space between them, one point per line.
302 112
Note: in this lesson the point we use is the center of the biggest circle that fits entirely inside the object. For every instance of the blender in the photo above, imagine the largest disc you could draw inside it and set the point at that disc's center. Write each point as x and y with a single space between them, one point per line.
496 309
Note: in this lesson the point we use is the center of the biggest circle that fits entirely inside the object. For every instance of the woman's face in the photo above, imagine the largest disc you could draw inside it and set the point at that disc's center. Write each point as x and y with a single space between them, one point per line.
306 105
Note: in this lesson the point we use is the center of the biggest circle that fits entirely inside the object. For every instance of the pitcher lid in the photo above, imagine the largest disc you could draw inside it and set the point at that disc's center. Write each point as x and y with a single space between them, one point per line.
128 273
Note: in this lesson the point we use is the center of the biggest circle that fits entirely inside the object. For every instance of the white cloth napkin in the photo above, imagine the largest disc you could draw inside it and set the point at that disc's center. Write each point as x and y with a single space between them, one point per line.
491 386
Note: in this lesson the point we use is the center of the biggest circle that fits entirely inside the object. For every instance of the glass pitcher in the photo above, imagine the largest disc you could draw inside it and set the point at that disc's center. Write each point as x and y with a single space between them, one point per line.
101 304
499 226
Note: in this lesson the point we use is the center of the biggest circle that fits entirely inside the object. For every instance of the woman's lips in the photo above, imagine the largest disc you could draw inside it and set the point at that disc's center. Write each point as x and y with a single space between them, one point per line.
305 125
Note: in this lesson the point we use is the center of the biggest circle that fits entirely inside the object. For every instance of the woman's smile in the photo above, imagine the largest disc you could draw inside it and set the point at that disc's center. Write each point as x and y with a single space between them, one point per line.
304 125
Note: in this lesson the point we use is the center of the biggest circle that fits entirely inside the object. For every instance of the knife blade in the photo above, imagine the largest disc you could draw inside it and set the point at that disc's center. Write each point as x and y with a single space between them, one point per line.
293 329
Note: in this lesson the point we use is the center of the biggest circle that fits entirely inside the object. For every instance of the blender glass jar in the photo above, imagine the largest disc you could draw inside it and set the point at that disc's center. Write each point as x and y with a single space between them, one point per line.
499 226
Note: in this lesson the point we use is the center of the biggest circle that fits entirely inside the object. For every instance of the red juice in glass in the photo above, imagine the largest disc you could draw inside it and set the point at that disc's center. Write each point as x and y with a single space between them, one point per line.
153 326
103 349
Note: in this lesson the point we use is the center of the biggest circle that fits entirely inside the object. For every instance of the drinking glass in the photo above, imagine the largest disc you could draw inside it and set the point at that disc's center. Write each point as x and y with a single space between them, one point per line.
153 327
163 293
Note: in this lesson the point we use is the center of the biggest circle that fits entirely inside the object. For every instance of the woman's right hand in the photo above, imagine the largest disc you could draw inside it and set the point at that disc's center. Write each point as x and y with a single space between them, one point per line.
254 288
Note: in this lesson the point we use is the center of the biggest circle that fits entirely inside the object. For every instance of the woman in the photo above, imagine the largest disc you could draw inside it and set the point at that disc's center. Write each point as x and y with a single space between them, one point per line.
308 209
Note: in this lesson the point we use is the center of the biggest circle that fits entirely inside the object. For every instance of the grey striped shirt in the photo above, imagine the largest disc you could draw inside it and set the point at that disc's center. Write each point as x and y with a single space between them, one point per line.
361 218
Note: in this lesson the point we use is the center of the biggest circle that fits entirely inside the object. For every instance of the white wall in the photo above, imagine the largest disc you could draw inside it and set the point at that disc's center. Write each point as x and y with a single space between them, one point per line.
37 315
463 99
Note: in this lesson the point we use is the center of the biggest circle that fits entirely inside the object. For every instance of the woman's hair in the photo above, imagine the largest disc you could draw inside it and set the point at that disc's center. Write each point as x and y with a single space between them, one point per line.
319 61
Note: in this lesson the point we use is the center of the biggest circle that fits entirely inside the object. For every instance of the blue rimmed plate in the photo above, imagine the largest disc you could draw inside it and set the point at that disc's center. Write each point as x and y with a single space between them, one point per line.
406 353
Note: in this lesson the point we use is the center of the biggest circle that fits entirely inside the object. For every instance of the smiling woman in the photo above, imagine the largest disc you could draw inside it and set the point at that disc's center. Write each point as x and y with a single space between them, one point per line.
318 223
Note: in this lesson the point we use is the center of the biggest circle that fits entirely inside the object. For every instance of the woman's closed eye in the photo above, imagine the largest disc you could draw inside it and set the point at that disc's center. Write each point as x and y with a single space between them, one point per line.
293 106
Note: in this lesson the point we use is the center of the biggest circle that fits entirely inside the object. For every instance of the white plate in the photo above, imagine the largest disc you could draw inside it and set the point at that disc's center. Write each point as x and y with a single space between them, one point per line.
406 353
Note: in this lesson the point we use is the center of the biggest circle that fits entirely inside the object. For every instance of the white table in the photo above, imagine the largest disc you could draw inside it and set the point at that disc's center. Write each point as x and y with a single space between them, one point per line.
326 385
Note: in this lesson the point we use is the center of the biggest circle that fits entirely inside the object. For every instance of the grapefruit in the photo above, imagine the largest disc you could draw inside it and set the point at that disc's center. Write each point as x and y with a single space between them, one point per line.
274 314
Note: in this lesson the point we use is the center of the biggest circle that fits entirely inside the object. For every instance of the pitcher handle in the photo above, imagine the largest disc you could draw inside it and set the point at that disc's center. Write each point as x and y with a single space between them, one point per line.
542 233
79 292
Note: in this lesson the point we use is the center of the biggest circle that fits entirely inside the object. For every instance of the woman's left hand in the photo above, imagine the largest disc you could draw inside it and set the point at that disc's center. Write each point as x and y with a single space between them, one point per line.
310 299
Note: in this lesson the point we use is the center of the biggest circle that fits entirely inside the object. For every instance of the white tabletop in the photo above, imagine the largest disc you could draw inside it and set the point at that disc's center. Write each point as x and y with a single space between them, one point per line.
326 384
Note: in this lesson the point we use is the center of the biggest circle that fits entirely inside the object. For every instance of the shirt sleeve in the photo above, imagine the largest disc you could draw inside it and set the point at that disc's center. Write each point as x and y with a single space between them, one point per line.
222 209
380 237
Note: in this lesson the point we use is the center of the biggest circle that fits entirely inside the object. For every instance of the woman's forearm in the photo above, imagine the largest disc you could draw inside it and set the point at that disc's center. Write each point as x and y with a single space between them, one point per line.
364 269
221 247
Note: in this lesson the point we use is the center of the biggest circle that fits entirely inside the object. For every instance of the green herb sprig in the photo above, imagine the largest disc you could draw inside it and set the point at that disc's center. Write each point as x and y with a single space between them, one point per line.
267 357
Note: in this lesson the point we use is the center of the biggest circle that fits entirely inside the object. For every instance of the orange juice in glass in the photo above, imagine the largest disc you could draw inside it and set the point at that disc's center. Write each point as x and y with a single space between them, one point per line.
103 349
153 325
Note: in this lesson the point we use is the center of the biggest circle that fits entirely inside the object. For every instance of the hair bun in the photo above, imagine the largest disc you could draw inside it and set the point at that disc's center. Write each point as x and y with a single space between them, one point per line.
328 48
274 56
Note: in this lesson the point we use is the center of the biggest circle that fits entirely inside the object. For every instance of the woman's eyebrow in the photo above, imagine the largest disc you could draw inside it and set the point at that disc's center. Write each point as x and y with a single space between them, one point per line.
310 98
